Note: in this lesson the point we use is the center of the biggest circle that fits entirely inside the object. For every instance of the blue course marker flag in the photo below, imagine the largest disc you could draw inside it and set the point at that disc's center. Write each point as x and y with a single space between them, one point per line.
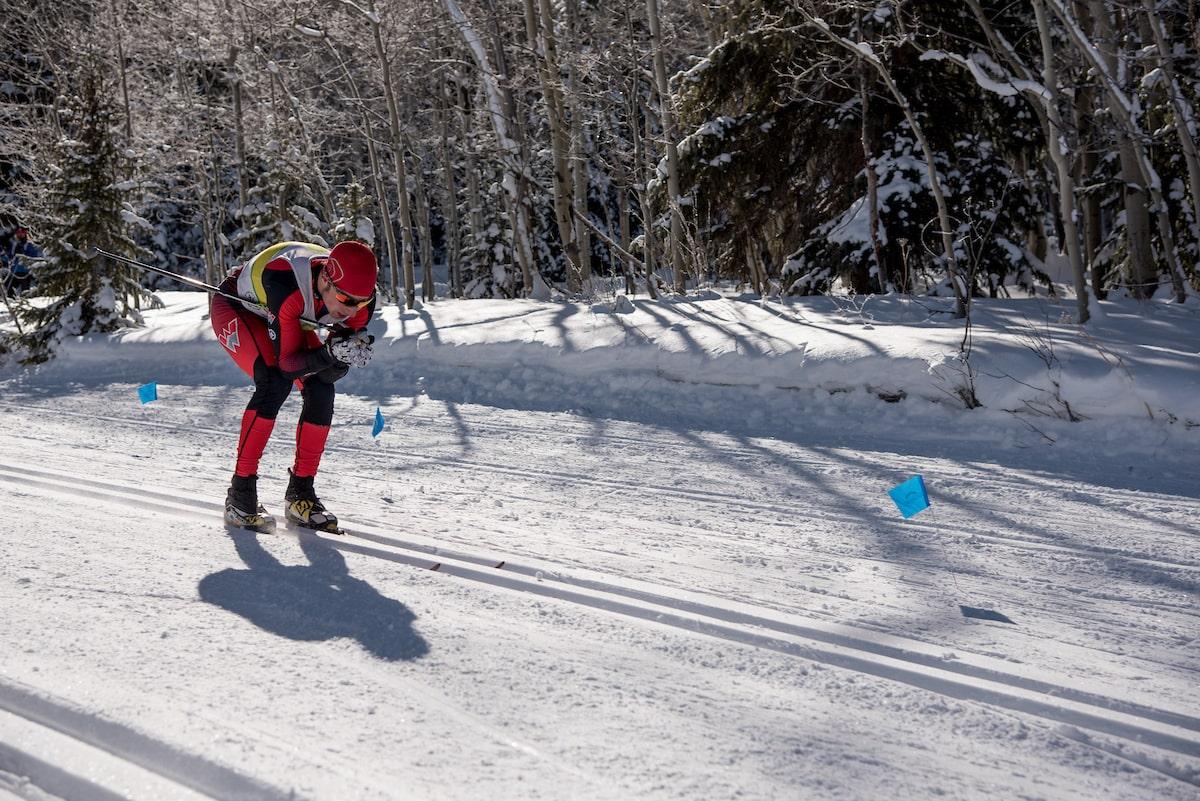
378 428
910 497
148 392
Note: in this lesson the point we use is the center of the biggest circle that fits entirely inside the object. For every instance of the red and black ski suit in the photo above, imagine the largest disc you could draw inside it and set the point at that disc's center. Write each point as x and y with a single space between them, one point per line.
277 350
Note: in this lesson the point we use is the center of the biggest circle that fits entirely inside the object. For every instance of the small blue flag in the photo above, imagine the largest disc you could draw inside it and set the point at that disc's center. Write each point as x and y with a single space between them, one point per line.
910 497
375 431
148 392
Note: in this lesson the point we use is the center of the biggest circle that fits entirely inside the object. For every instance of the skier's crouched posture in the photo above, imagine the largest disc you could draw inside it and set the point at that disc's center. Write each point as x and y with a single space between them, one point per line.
268 337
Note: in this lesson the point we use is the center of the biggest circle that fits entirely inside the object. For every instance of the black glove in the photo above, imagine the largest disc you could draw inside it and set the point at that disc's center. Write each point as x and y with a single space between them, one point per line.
331 375
321 358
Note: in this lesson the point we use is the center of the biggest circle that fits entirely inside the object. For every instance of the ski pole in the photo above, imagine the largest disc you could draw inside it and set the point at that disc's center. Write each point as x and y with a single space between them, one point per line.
196 282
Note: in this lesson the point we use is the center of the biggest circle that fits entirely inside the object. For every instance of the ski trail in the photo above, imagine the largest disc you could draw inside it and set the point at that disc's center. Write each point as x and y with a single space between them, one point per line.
163 761
728 500
437 557
600 787
1137 725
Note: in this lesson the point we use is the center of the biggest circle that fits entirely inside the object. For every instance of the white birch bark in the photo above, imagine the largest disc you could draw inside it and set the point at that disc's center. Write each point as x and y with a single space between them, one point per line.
1185 124
579 156
669 135
1066 182
426 232
640 137
539 27
449 191
510 149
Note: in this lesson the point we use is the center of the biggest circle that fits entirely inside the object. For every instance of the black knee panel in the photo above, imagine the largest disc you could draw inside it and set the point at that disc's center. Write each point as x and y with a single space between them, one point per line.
271 389
318 401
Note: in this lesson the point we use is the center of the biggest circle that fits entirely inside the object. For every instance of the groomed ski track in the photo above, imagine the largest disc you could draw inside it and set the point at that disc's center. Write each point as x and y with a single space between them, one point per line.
859 651
1146 567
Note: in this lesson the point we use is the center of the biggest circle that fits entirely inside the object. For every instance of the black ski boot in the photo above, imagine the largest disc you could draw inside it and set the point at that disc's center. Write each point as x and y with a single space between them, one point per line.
305 509
242 508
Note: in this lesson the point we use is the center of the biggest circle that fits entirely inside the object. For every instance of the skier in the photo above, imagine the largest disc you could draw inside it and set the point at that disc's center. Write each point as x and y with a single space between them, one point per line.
272 339
19 258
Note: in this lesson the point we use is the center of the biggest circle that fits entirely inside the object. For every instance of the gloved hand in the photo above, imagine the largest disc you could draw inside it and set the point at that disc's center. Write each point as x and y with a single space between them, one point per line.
331 375
352 349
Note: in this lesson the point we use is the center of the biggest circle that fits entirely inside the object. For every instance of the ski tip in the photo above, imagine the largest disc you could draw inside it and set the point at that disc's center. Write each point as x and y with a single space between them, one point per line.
337 531
233 527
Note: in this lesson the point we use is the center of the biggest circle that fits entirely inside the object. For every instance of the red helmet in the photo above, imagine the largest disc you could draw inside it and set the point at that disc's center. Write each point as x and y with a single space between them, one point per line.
351 267
20 233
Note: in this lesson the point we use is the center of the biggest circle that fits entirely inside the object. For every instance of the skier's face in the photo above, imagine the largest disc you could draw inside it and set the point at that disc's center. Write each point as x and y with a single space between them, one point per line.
337 301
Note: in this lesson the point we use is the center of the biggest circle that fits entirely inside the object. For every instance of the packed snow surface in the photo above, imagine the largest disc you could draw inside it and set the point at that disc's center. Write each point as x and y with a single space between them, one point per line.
619 550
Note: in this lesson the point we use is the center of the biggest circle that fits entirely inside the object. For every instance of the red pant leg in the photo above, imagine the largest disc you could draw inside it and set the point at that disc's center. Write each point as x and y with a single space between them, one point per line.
244 337
243 334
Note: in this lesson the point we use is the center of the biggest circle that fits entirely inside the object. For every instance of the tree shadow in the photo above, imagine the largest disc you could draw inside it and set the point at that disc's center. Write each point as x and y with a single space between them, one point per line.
308 603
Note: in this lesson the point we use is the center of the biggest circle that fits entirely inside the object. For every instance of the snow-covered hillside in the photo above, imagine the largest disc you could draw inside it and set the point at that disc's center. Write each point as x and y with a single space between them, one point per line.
621 551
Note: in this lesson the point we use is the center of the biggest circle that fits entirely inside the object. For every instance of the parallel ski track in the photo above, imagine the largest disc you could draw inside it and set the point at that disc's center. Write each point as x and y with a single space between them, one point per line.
130 746
726 500
1136 723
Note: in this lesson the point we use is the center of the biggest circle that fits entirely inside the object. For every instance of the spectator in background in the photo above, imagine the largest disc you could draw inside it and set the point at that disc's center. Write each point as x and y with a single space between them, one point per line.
20 259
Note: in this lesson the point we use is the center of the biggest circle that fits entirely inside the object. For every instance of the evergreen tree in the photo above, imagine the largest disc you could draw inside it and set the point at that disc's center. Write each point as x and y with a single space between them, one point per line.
784 127
80 209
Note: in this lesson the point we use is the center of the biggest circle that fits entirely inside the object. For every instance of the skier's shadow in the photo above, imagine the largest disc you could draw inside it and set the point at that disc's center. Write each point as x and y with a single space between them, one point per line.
318 601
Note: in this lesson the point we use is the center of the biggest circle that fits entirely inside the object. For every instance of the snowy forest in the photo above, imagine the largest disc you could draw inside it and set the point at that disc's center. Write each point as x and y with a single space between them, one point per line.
529 148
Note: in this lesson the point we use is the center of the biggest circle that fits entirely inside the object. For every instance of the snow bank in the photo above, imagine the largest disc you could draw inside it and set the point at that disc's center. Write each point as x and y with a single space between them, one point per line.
1136 362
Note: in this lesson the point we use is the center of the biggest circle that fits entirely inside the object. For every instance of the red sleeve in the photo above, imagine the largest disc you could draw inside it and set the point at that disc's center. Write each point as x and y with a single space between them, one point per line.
294 342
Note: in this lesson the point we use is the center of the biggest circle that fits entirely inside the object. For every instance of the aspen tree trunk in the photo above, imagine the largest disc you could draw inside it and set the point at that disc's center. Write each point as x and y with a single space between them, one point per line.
630 172
579 156
406 227
239 123
868 146
640 136
449 189
1184 122
1089 165
426 233
1141 276
397 146
380 187
753 265
239 129
1066 182
514 178
623 222
518 176
668 125
474 197
539 28
208 234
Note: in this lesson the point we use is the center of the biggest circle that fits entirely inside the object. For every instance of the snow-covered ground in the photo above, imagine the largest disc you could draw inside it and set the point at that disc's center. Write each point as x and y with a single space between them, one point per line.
618 551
